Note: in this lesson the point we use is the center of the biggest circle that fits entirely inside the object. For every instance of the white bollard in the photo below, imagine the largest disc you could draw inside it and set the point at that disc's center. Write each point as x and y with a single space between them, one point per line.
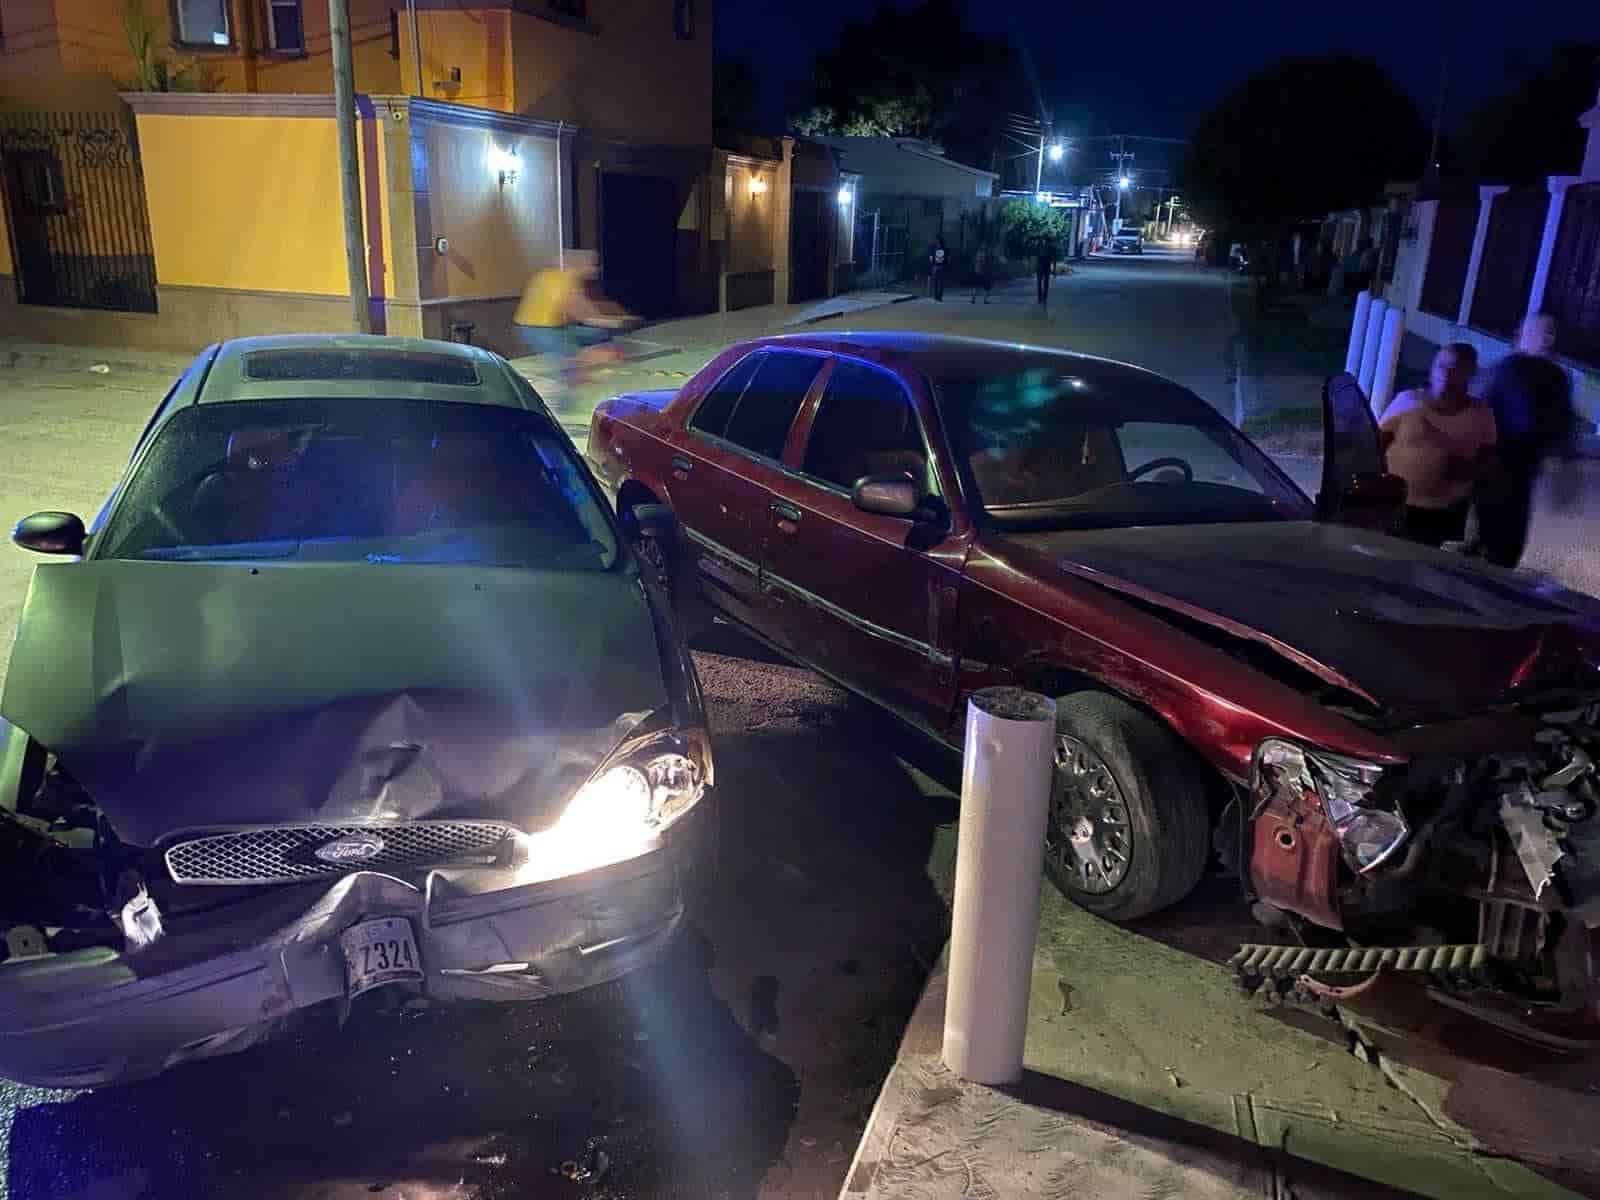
1394 332
1371 345
1006 777
1358 334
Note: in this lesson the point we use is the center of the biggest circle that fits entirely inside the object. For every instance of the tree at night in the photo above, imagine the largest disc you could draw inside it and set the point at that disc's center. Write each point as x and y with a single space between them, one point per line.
1300 138
1532 130
916 72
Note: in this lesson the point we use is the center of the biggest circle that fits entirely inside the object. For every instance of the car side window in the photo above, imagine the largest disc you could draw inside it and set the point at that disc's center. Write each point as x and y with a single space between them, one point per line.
761 419
865 425
711 416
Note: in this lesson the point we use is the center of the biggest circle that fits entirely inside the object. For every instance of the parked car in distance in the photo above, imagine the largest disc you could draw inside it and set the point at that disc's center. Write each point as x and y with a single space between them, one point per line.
1354 722
1128 241
353 682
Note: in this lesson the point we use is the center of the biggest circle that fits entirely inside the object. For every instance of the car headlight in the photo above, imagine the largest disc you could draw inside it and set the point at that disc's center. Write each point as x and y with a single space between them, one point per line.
1369 833
623 810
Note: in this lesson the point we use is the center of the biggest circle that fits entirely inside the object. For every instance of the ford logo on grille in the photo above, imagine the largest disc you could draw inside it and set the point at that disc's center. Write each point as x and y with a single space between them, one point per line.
359 847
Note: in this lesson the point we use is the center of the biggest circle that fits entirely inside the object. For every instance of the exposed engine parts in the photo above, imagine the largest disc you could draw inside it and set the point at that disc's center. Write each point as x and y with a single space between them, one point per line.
1495 856
54 859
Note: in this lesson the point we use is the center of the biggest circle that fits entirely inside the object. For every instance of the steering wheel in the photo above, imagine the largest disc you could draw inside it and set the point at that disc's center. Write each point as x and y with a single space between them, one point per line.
1155 464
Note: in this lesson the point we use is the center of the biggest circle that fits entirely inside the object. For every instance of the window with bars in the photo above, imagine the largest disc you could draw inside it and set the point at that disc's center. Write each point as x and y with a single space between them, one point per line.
1454 228
286 26
201 23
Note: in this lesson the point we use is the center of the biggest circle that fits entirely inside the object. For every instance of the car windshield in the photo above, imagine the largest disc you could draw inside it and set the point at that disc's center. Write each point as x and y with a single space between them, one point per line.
1045 448
368 480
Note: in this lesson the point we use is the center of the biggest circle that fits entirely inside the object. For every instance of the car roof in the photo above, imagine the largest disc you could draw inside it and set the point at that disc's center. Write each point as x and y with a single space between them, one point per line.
356 366
947 356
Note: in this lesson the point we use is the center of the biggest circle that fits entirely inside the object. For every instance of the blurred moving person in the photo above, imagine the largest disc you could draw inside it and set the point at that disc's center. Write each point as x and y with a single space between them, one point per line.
1441 443
565 316
1531 398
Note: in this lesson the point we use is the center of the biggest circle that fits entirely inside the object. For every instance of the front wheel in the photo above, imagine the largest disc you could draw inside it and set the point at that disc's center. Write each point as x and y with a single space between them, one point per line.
1128 832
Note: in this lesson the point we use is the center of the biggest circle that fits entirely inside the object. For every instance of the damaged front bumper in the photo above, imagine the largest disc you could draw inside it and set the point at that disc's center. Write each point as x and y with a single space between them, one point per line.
217 984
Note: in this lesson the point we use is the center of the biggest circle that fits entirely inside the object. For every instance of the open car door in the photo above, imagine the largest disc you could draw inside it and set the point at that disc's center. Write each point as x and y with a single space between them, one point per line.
1356 487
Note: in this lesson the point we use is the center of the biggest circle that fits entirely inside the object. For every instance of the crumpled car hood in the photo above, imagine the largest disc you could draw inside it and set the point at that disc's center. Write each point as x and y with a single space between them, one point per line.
185 695
1417 632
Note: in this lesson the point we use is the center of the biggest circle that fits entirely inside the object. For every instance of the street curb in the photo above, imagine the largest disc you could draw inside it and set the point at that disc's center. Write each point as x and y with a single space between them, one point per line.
834 316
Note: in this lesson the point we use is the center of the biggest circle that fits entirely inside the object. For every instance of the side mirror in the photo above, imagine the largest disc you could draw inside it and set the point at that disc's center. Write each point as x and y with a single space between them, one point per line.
654 521
50 533
894 495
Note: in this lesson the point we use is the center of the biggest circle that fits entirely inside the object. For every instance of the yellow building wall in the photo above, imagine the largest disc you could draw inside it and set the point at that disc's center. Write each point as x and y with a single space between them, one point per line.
499 234
632 78
85 40
751 218
253 203
474 41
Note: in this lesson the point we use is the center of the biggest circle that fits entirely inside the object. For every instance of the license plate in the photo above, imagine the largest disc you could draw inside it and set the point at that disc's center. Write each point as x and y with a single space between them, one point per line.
380 952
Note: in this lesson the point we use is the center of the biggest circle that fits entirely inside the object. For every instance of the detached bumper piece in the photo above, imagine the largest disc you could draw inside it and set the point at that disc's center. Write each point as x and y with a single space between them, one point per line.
224 981
1291 962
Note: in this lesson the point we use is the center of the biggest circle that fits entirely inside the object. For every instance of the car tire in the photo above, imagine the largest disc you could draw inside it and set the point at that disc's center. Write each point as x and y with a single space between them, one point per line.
1111 758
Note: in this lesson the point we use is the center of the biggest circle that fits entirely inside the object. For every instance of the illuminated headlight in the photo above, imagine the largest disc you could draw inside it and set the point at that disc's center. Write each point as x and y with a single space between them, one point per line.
1368 833
620 813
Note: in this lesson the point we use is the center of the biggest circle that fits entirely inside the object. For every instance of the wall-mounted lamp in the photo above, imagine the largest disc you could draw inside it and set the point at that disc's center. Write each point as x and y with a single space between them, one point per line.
844 195
503 163
758 185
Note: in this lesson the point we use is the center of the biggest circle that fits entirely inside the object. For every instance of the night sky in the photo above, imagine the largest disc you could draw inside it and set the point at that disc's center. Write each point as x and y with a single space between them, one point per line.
1155 67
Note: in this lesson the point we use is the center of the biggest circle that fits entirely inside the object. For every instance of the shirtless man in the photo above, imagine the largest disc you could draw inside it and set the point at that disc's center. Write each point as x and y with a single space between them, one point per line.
1439 441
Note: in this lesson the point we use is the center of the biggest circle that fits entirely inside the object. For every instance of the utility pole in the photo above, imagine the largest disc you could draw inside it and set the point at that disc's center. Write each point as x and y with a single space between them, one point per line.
344 113
1038 171
1121 154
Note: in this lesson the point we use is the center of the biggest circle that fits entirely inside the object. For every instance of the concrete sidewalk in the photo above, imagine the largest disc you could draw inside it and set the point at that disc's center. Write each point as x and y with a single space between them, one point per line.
705 335
1149 1074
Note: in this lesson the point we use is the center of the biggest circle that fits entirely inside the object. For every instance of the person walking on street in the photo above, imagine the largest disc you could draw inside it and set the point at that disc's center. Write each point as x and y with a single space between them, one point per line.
936 264
1439 441
984 277
1044 266
1531 398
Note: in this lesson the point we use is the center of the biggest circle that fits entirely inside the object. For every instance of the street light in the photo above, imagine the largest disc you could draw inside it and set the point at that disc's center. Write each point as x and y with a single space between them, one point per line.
1123 183
844 195
1056 152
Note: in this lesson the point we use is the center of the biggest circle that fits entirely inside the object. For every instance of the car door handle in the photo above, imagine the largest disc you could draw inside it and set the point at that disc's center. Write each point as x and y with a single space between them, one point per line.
681 466
785 512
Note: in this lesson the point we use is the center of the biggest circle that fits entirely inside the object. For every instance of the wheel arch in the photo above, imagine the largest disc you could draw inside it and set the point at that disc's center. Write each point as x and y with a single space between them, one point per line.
1054 680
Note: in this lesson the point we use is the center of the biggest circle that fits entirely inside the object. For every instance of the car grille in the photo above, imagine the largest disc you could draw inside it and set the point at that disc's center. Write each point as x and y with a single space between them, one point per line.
287 853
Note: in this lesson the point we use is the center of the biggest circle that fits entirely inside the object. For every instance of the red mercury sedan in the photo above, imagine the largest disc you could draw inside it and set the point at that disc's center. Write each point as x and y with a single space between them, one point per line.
1347 720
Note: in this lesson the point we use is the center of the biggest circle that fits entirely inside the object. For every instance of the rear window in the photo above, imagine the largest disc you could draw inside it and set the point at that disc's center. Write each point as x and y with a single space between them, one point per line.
379 366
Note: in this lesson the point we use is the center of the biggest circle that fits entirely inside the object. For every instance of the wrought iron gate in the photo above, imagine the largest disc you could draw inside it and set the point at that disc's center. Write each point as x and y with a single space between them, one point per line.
880 247
80 233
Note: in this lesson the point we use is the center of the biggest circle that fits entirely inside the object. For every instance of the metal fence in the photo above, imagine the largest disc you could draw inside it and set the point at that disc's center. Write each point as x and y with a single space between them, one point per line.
1572 291
75 203
1454 228
1510 256
880 248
